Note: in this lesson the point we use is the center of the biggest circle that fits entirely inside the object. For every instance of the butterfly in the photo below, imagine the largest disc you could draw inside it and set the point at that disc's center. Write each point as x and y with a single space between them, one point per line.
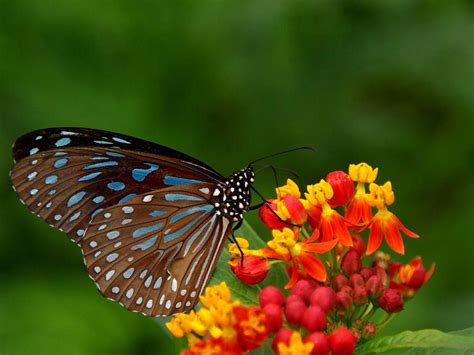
151 221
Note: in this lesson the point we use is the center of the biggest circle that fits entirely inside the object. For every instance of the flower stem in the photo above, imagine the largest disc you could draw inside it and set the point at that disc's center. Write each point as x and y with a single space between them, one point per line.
387 320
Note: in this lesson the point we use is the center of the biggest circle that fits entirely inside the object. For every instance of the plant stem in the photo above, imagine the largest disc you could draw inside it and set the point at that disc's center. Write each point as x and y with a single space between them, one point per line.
387 320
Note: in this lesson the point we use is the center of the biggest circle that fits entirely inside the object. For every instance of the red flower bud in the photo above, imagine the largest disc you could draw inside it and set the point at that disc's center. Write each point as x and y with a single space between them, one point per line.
356 280
282 336
321 343
268 218
347 289
314 319
342 186
369 330
304 289
294 312
324 297
271 295
253 270
358 244
374 286
274 316
381 273
343 301
342 342
391 301
295 209
351 262
360 295
293 298
338 281
366 273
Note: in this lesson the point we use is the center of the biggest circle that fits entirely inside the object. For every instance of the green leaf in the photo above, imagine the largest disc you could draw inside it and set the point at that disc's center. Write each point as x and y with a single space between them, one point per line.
247 294
427 341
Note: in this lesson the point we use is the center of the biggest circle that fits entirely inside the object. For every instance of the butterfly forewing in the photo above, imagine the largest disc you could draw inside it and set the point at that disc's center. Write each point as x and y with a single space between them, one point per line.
155 253
68 175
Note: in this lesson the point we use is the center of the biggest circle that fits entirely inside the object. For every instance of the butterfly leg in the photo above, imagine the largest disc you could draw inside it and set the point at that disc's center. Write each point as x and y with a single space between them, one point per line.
233 239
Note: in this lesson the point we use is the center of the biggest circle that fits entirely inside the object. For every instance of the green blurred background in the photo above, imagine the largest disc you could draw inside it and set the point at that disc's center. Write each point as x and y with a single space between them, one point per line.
387 82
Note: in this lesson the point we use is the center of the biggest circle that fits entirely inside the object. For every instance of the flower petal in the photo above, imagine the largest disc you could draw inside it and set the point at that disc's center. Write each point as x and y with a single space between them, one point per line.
393 236
375 236
326 230
430 272
340 230
319 248
405 229
313 266
294 275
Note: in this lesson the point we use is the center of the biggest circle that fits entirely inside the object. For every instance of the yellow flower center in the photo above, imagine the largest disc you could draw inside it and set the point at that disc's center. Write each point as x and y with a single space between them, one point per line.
406 273
381 196
289 189
283 241
362 172
296 346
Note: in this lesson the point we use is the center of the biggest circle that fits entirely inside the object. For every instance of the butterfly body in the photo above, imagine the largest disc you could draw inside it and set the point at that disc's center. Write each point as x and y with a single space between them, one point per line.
151 221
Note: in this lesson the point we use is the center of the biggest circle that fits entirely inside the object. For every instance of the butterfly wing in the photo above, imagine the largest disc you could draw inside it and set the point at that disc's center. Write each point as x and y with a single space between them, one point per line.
155 253
66 175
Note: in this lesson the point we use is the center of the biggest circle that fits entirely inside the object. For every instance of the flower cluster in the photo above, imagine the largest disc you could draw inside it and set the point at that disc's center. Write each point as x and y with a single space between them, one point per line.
328 241
221 326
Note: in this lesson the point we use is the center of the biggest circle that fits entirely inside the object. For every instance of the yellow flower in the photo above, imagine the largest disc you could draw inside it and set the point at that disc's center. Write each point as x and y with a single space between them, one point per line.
381 196
283 241
181 324
362 173
289 189
296 346
215 293
319 193
244 245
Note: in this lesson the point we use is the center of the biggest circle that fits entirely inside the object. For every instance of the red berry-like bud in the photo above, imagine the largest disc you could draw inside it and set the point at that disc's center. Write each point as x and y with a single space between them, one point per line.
304 289
374 286
391 301
342 186
358 244
274 316
366 273
342 342
252 269
295 209
418 278
347 289
356 280
269 218
343 301
271 295
294 312
314 319
360 295
321 343
293 298
351 262
369 330
282 336
324 297
338 281
381 273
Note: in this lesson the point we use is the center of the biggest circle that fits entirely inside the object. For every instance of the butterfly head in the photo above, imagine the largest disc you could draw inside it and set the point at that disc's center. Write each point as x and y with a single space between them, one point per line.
233 199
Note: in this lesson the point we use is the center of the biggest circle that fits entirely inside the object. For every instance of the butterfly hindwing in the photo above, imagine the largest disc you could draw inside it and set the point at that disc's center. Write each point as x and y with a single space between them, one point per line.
155 253
66 176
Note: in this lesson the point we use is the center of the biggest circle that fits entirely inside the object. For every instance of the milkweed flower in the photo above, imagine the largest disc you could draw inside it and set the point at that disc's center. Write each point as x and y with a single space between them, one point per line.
251 269
285 243
359 209
385 223
251 327
332 224
296 346
342 186
410 277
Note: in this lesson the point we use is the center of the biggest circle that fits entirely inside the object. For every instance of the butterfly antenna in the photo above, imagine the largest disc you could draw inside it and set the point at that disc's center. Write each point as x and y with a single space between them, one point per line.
283 152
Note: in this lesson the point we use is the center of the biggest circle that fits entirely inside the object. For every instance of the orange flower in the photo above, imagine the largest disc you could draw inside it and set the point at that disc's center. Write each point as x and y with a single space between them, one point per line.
410 277
385 223
251 327
359 208
285 245
296 346
332 224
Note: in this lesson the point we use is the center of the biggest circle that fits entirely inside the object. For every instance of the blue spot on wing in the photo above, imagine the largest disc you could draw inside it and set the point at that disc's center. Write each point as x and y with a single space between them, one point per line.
116 185
60 163
146 244
62 142
189 211
181 197
157 213
52 179
120 140
89 176
141 231
76 198
183 230
174 180
203 237
101 165
98 199
128 197
114 154
140 174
